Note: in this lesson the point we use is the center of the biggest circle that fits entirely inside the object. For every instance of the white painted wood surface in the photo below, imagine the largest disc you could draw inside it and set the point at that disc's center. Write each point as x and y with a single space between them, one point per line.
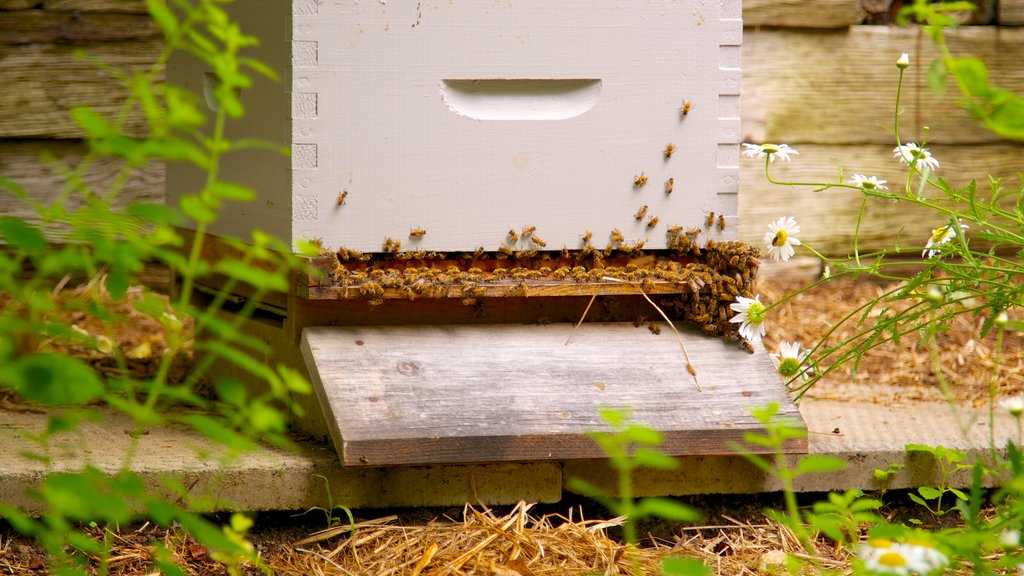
575 100
447 394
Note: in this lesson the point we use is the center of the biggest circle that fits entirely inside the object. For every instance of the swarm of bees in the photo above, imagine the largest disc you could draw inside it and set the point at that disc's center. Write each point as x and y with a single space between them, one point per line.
707 278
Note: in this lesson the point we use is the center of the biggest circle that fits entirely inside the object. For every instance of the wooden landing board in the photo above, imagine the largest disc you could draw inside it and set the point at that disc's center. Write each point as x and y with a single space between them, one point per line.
398 395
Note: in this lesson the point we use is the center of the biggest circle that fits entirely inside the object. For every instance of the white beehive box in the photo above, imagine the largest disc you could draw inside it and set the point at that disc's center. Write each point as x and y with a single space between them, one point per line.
470 118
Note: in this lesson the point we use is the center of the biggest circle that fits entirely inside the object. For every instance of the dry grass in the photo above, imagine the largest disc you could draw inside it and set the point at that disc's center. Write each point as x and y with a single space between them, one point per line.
968 362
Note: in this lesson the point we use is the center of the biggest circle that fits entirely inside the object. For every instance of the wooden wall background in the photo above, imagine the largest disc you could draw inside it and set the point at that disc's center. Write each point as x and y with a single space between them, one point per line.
818 75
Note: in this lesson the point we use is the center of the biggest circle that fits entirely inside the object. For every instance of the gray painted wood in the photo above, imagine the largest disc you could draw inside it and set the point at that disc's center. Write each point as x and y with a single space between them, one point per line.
457 394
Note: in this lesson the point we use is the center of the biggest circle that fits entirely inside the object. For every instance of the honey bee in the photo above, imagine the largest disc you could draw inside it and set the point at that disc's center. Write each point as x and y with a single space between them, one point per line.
527 230
513 236
710 220
721 221
652 221
675 230
341 197
375 302
695 231
505 250
525 254
587 237
686 107
670 148
654 328
417 233
670 185
392 245
640 180
468 301
747 346
691 369
641 213
538 241
616 236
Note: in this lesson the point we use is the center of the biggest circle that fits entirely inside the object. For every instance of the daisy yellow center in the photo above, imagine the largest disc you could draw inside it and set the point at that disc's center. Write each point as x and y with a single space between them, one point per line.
769 148
892 559
789 367
868 184
780 238
940 233
756 312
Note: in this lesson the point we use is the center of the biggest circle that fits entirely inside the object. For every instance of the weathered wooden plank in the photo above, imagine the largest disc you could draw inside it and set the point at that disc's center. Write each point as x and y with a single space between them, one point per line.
803 13
453 394
1011 12
827 219
42 83
38 26
885 11
127 6
20 161
840 86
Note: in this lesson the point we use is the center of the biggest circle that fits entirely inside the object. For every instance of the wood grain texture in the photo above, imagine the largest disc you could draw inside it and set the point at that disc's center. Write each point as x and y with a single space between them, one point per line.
38 26
839 86
827 219
1011 12
124 6
803 13
459 394
42 83
21 162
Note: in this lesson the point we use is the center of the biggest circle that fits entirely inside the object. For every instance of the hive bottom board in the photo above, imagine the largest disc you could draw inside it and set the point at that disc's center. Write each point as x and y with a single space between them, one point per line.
432 394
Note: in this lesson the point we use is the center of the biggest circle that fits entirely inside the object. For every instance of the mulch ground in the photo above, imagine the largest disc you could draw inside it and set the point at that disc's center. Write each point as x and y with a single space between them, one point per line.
565 539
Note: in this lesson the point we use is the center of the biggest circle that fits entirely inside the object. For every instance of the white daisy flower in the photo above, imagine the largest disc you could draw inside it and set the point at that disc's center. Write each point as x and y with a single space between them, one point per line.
750 317
789 360
1014 405
881 556
868 182
760 151
104 344
904 61
1010 538
912 154
940 235
781 237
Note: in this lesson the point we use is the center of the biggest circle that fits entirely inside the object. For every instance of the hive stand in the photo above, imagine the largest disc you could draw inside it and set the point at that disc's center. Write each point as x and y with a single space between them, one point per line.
443 126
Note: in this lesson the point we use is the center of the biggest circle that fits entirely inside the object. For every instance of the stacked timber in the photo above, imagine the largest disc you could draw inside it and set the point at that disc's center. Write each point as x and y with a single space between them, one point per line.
815 76
819 79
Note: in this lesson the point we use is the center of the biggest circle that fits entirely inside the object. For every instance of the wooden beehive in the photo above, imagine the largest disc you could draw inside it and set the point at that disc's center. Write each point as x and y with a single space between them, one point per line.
470 168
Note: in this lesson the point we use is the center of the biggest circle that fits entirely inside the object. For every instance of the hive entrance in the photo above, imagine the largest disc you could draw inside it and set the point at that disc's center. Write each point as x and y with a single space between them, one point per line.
405 395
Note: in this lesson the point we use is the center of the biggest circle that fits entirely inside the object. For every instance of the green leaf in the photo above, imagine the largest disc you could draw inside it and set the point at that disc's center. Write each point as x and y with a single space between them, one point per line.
820 463
90 121
52 379
215 430
973 74
197 210
666 509
677 566
153 212
232 191
264 418
13 187
22 235
252 275
231 391
929 493
920 448
937 77
163 16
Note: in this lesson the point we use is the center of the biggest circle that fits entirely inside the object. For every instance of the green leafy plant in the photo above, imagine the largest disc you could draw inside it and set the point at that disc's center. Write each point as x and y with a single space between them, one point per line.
92 235
950 462
777 431
629 447
329 510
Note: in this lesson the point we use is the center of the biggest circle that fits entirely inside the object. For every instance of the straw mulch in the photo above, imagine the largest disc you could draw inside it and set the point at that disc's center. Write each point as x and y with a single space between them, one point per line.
968 364
483 543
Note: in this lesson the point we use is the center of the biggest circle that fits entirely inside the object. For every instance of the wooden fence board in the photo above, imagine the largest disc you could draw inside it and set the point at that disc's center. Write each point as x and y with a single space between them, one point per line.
840 86
20 161
42 83
827 219
803 13
1011 12
125 6
38 26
